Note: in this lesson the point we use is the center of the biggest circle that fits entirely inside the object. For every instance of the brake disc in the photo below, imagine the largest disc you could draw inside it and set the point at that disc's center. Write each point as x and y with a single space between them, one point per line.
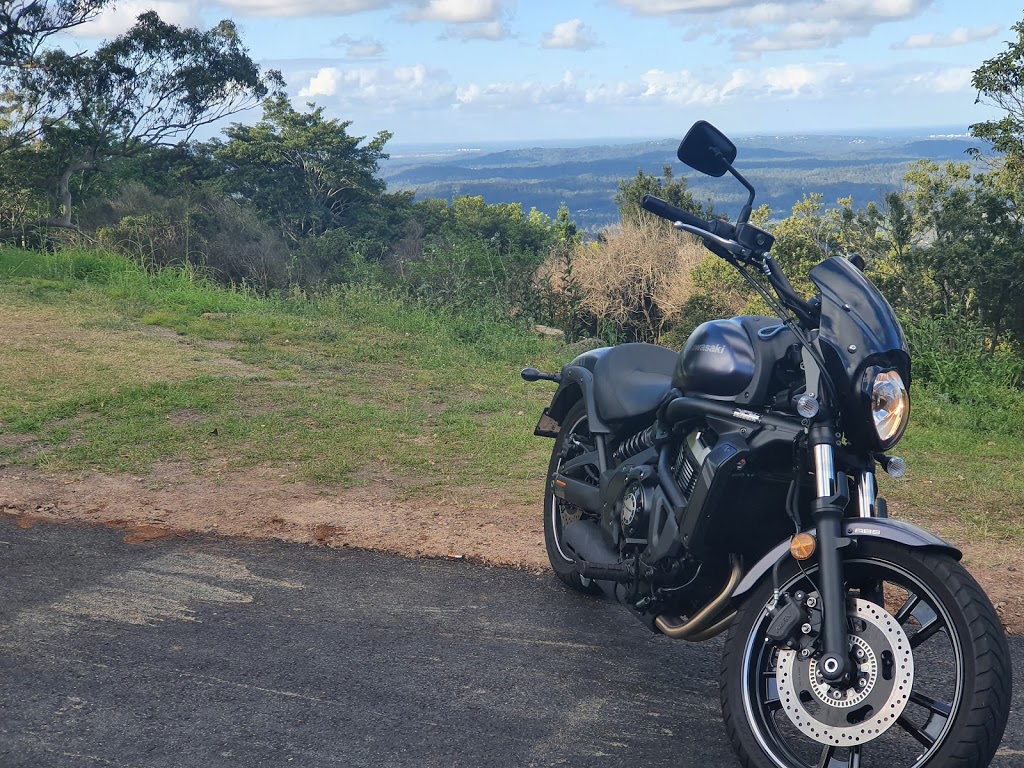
883 679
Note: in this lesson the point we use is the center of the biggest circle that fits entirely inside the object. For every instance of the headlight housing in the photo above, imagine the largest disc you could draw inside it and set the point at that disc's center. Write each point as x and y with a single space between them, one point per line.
890 406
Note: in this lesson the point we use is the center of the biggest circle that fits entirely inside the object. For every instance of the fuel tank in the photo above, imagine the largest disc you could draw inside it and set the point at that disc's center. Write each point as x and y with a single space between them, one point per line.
733 359
718 360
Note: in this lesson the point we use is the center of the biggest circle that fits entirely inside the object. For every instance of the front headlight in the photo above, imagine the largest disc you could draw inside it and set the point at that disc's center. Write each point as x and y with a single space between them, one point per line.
890 407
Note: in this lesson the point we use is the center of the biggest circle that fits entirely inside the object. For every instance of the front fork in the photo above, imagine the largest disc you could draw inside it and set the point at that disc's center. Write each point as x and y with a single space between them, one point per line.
832 496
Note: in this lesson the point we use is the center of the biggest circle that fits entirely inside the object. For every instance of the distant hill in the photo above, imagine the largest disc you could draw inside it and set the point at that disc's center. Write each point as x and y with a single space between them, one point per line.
782 168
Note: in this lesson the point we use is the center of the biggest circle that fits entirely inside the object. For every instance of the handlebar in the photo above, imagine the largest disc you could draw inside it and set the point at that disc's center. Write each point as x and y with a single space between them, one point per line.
720 237
659 207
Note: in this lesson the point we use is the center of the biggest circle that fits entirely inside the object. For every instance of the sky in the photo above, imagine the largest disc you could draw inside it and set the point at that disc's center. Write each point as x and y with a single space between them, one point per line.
459 72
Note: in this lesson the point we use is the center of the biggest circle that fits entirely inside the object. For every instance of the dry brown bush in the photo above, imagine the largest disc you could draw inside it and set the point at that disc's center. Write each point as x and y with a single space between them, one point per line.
637 279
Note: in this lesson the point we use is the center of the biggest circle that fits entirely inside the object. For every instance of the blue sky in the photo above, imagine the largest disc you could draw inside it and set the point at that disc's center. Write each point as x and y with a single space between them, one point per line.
465 71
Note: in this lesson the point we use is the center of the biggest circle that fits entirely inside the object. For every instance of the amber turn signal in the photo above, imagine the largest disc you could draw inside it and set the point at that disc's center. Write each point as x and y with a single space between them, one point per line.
802 546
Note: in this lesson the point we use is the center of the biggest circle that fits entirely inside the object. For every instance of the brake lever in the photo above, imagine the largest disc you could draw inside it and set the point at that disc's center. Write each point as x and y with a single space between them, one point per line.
731 246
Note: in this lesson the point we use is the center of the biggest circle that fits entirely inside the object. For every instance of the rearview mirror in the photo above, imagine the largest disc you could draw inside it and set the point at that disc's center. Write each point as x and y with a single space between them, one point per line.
707 149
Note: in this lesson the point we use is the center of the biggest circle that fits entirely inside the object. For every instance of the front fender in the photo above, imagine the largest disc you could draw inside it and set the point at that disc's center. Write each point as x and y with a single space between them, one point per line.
853 528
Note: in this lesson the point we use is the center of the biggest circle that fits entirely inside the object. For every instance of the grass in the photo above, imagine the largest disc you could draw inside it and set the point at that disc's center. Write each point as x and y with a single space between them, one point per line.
109 367
965 477
115 369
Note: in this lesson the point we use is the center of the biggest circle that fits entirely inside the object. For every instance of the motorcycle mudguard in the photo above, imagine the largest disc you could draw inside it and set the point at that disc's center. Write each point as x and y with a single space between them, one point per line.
853 528
577 382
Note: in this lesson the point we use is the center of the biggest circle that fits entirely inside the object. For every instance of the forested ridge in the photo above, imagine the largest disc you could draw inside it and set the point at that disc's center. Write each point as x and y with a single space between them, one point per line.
97 150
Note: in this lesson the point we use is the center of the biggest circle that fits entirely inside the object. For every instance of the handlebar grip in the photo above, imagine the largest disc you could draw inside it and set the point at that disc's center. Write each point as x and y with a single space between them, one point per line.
659 207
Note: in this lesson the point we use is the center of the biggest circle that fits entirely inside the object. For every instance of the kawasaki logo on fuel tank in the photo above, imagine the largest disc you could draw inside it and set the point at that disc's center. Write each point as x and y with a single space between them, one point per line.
718 349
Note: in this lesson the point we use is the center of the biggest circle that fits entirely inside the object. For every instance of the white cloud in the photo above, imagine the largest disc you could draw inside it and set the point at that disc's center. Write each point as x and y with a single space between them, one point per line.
491 30
816 24
118 18
781 26
456 11
381 89
948 80
658 87
519 95
570 34
360 47
764 13
959 36
323 83
667 7
298 8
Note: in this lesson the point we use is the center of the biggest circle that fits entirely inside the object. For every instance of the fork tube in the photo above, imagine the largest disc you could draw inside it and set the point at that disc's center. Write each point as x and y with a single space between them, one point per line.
824 470
866 492
828 511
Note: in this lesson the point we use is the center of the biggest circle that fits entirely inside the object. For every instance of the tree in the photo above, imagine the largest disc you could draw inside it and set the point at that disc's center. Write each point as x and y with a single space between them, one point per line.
25 28
154 85
303 171
667 187
26 25
1000 83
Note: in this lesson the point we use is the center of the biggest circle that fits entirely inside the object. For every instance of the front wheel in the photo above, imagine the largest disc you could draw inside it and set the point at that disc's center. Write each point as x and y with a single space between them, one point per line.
932 671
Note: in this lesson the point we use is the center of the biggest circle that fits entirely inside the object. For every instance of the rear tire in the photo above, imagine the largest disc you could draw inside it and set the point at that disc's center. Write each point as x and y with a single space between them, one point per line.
573 438
959 696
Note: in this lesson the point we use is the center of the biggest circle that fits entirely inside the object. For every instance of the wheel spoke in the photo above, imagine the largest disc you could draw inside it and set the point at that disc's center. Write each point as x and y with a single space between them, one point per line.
924 738
770 692
873 591
854 761
941 708
926 632
826 757
907 608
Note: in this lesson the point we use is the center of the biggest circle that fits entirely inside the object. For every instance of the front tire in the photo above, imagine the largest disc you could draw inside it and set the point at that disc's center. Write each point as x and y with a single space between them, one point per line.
959 699
574 438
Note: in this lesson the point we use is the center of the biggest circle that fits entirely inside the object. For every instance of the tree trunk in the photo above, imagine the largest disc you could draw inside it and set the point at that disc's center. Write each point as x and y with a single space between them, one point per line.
64 187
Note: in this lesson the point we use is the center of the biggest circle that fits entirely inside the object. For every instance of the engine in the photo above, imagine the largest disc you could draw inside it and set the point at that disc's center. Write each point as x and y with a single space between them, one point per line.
687 467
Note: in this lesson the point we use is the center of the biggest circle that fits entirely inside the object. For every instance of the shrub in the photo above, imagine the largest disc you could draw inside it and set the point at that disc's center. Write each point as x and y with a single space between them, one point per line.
633 282
949 353
201 229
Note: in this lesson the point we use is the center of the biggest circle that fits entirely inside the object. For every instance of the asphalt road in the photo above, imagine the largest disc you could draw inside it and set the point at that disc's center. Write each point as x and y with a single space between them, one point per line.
220 652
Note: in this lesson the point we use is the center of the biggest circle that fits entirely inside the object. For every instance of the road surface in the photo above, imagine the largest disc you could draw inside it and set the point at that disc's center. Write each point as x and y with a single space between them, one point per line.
209 651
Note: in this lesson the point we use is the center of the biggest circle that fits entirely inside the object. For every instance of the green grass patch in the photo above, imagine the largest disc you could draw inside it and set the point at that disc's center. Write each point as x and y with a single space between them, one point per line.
963 474
338 388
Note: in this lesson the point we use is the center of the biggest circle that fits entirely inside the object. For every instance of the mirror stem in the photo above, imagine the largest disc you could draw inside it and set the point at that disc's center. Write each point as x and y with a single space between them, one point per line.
749 206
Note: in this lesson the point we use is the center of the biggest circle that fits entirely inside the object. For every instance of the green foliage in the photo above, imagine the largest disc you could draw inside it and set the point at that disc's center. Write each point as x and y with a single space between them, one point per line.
998 82
157 83
201 229
470 254
949 352
667 187
302 171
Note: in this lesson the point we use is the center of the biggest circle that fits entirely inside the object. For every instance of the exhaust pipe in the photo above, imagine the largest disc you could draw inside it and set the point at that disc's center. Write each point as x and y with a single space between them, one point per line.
579 494
699 626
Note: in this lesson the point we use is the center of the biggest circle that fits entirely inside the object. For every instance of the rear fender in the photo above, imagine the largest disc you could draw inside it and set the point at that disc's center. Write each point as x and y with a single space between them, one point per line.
577 382
858 529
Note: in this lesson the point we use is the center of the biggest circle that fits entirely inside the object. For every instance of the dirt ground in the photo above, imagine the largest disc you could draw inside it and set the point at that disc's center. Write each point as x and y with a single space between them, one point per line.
260 504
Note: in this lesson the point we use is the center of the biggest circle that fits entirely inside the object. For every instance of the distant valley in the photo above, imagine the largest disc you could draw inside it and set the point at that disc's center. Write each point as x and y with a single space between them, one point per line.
781 168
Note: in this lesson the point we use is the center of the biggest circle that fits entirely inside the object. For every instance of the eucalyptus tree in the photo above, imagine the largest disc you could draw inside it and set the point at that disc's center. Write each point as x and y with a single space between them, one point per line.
26 28
304 172
154 85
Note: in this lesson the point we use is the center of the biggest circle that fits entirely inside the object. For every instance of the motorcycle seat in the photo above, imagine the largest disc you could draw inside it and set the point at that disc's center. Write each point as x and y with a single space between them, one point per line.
631 379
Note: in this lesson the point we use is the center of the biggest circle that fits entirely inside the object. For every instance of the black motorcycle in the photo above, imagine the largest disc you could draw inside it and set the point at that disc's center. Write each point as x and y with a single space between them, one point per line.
732 487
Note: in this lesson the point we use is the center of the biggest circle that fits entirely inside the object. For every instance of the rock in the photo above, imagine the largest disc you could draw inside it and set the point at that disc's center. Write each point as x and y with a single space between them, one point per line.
549 332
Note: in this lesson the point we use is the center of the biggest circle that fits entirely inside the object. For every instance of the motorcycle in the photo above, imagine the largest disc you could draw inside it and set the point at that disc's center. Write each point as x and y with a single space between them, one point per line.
731 487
